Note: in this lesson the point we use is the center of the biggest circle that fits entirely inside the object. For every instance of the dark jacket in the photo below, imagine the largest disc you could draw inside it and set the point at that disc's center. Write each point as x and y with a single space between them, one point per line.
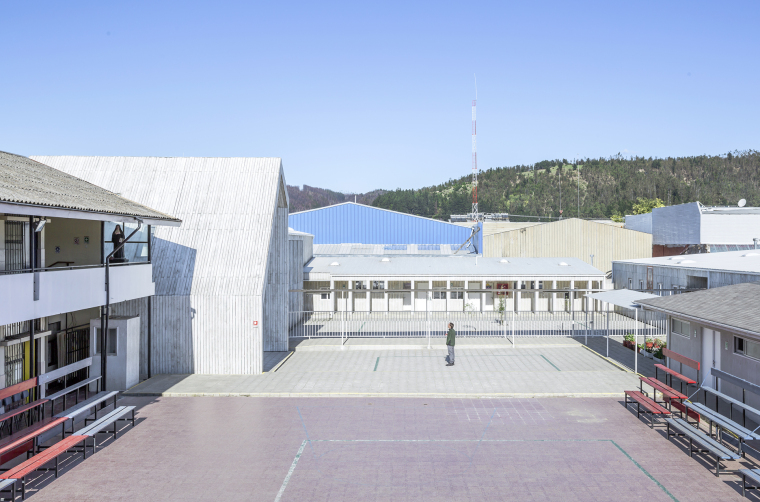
450 337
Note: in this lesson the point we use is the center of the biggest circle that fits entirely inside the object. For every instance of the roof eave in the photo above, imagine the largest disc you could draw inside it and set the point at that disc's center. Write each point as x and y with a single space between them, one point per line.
81 214
701 320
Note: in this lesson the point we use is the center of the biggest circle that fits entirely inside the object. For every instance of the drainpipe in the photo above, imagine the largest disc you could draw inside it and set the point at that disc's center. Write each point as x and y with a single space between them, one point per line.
756 240
105 314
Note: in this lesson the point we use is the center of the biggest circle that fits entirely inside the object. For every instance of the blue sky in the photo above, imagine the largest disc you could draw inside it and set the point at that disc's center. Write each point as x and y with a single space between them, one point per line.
361 95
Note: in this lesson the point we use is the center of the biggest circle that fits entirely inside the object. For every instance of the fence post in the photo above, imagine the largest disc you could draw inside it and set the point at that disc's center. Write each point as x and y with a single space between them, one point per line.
585 331
514 340
608 330
636 342
427 318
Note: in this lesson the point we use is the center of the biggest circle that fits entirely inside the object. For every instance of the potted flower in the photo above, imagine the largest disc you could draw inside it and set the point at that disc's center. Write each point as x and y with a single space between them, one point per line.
649 344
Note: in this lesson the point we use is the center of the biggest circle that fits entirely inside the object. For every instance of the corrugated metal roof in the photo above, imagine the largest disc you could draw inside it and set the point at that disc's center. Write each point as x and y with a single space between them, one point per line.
351 222
747 261
734 306
447 266
227 207
622 297
388 249
30 182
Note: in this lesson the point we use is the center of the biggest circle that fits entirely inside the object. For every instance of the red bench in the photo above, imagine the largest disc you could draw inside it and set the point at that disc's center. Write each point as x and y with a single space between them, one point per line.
7 393
20 472
650 405
672 397
26 440
681 360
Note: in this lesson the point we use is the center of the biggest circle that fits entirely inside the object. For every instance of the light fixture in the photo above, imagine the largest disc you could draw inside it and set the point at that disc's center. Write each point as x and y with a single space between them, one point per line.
40 225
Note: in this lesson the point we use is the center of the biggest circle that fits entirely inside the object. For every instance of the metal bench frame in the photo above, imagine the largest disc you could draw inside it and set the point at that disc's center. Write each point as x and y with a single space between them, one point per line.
693 435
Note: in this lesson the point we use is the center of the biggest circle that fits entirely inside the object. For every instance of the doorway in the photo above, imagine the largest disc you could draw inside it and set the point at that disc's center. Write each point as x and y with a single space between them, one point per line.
710 354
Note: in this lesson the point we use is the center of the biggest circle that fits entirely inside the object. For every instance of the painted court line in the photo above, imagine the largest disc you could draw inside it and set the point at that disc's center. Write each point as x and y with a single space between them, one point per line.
376 363
481 440
548 361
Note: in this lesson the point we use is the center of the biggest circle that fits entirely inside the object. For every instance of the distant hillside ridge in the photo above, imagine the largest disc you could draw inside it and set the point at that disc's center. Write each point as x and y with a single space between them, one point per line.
313 197
607 187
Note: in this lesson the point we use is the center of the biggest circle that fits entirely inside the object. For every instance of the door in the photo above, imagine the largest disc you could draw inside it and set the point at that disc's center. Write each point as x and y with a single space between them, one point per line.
710 355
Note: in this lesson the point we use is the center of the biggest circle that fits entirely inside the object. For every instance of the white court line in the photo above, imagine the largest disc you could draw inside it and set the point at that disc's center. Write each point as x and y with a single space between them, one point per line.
290 472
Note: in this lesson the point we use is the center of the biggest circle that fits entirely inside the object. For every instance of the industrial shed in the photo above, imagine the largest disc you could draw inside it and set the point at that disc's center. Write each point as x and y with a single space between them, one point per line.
573 238
695 228
222 278
690 271
359 224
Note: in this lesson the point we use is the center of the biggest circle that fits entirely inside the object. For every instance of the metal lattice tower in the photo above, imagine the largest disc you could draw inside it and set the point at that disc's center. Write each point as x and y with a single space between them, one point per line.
475 212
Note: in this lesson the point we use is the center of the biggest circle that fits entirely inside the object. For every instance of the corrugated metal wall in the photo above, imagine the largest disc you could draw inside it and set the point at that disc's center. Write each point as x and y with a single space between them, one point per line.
356 223
676 225
672 277
211 272
572 238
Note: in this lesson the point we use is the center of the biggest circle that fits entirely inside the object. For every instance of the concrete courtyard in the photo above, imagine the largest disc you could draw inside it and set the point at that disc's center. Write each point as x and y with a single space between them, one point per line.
385 419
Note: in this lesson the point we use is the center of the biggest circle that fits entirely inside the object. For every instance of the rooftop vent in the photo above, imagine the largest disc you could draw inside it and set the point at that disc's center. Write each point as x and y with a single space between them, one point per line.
503 261
686 261
750 254
386 259
563 264
334 264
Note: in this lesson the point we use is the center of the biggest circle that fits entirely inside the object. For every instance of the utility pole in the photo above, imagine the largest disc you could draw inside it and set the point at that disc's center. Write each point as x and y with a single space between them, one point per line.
475 211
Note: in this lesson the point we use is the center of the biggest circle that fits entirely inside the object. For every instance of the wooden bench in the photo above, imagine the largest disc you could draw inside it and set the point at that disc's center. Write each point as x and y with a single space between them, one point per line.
723 423
650 406
681 360
100 424
37 462
16 393
85 408
669 395
709 445
739 382
64 372
754 475
28 439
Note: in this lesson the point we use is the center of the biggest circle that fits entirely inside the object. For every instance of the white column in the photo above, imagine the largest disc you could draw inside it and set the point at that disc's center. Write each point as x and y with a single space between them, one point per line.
552 307
518 296
351 295
446 301
535 296
572 296
414 300
332 296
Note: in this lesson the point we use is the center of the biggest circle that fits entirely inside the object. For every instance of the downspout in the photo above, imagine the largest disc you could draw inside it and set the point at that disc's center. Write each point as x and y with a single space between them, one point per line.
105 314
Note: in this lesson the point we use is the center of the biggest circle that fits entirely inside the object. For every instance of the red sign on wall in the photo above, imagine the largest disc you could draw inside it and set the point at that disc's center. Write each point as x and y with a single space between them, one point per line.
502 285
255 323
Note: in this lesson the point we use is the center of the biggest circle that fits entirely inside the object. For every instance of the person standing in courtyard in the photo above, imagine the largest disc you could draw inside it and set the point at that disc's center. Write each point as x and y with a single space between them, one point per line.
450 339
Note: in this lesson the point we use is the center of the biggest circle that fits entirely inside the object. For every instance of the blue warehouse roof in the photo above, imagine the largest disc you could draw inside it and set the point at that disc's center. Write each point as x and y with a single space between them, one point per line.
356 223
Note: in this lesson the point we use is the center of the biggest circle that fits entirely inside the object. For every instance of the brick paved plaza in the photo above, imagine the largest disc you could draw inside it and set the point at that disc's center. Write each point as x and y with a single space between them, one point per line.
423 444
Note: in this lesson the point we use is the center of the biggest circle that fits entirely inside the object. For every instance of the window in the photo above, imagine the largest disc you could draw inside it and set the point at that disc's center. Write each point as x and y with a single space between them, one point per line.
136 250
680 327
52 350
641 285
630 283
746 347
378 284
359 285
457 295
111 341
439 295
407 285
659 286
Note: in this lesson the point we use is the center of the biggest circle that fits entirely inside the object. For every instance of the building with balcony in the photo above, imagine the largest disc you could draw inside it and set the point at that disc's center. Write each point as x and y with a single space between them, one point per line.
221 279
56 232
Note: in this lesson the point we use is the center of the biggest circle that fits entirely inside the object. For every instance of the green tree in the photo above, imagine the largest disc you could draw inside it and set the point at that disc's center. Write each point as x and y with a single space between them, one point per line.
645 205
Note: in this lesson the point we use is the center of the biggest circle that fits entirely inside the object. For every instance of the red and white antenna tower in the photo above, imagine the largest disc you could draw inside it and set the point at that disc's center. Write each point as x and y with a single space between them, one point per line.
475 212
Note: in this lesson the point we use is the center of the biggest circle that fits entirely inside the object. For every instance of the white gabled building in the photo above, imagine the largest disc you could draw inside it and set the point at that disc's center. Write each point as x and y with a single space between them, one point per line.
222 278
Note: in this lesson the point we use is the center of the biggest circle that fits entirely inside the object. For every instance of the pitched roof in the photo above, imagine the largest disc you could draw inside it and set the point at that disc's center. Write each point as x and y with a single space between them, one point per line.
227 206
27 182
622 297
733 306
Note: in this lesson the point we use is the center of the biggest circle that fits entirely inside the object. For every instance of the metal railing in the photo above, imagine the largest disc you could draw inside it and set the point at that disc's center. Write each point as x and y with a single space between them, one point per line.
507 324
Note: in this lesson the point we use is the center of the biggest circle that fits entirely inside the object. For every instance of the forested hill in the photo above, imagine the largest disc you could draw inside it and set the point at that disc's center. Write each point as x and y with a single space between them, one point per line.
607 186
313 197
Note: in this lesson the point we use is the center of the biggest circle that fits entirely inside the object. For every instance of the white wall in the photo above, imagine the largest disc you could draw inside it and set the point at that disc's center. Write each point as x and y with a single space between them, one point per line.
729 228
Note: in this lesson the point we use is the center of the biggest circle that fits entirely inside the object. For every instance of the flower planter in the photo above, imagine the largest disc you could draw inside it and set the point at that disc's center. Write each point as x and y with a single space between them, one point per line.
658 360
